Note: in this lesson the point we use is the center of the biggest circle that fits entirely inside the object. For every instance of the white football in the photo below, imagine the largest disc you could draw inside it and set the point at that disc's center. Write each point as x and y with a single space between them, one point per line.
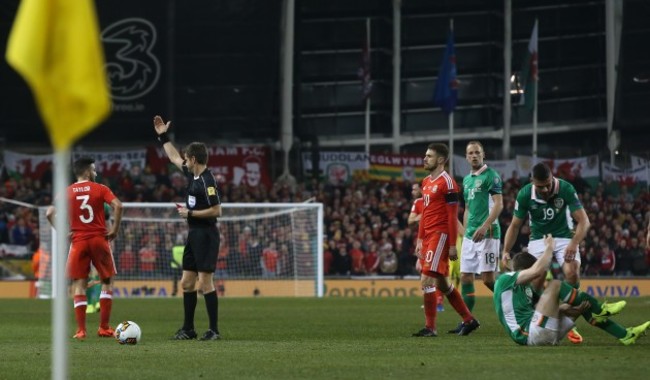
128 332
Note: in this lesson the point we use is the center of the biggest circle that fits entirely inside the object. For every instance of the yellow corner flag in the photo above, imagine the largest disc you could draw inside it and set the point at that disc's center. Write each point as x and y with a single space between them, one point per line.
55 46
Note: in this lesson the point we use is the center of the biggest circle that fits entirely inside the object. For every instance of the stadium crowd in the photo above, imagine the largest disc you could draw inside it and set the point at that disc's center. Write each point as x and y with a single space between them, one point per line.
365 223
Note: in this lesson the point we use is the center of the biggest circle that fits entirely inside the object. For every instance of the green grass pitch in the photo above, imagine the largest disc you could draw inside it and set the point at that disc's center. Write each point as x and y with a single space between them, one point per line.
331 338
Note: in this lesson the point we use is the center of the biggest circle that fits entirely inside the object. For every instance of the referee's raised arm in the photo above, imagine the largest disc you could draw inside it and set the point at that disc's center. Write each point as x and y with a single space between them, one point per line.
161 130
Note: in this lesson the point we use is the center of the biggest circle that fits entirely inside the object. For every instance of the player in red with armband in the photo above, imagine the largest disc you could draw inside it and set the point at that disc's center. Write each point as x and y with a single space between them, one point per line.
436 243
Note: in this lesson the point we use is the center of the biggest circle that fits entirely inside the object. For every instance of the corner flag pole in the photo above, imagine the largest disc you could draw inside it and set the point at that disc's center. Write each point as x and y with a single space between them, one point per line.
59 314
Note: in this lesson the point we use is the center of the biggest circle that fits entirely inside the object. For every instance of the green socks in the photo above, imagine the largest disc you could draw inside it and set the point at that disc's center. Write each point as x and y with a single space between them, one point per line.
468 292
574 297
612 328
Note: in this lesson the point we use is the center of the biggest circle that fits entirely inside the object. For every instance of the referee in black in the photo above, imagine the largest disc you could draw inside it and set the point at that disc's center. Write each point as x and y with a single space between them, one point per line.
201 209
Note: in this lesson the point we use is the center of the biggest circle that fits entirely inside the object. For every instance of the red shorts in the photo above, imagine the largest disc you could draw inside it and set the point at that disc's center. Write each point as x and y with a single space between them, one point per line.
95 250
435 250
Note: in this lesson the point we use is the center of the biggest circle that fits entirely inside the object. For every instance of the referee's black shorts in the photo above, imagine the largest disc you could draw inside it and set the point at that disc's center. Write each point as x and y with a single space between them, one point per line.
201 249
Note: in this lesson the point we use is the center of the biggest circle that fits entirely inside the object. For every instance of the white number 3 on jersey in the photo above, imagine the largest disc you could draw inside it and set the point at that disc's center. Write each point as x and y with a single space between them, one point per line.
85 207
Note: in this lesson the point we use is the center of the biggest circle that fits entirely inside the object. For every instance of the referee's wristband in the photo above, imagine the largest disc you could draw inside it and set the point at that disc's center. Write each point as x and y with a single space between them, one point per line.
189 213
163 138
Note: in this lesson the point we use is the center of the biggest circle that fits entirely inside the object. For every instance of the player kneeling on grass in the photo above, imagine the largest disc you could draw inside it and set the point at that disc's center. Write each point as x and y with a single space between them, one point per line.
547 322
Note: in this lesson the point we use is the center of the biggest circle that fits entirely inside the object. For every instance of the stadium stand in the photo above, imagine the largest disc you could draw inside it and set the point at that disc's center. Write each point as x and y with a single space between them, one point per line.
361 218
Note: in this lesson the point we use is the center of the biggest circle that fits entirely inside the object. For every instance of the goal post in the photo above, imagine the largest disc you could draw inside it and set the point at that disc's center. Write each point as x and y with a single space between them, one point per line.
266 249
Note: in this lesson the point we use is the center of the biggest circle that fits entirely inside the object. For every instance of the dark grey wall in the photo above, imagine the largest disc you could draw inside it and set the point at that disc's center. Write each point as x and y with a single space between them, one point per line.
214 68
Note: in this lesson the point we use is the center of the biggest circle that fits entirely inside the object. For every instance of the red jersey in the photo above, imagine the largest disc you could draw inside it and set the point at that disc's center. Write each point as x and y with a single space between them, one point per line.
418 206
87 218
127 261
440 212
357 257
148 259
608 261
328 258
270 257
371 261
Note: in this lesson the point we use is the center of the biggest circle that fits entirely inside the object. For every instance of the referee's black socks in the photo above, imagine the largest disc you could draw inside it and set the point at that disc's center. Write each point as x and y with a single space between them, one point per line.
189 305
212 305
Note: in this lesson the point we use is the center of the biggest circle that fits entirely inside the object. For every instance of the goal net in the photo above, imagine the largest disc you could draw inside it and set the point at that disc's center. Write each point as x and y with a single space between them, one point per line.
266 249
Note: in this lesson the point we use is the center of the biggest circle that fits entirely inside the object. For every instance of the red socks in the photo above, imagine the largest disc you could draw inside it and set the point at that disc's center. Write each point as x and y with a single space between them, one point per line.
430 308
456 301
80 304
105 304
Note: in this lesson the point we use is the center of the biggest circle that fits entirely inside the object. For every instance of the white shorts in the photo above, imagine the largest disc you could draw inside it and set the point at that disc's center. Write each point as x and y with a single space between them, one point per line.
537 247
547 331
479 257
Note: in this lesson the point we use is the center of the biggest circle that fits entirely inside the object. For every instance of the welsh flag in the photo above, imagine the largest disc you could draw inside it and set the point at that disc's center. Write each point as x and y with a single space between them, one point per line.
528 75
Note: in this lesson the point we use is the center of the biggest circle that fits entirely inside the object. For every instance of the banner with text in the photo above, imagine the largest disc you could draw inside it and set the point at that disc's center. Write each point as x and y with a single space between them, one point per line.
32 166
505 168
363 288
338 167
238 164
565 168
111 164
366 288
629 177
14 251
398 167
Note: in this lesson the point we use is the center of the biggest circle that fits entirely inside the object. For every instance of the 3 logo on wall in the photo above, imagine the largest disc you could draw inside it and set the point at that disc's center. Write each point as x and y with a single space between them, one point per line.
132 49
133 69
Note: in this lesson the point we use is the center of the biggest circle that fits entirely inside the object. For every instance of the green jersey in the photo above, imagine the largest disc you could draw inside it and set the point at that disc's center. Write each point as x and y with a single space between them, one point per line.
552 216
514 306
478 188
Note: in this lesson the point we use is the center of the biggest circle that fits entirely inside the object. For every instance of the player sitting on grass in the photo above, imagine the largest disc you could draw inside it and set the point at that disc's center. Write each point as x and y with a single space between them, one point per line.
547 322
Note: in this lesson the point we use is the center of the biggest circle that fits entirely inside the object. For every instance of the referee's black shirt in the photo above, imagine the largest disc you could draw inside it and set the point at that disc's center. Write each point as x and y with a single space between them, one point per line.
202 194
